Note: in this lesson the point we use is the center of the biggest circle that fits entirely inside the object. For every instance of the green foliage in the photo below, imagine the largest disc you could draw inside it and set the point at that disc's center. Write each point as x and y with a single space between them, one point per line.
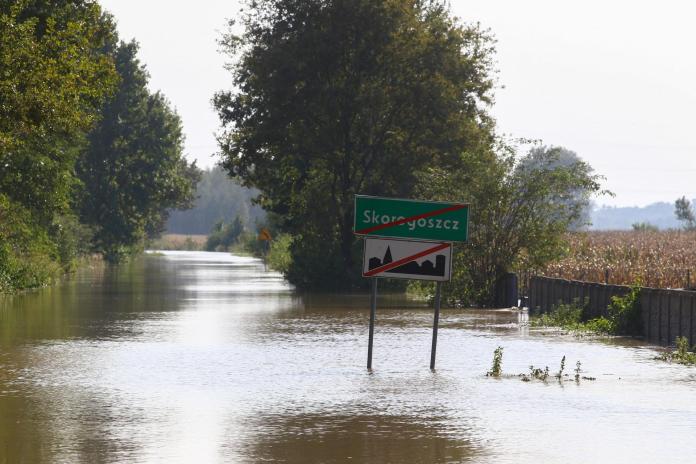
339 98
72 239
599 325
27 255
624 316
538 373
53 78
218 198
72 101
644 227
682 355
685 213
133 170
562 315
575 197
52 81
497 367
625 313
223 236
279 257
521 211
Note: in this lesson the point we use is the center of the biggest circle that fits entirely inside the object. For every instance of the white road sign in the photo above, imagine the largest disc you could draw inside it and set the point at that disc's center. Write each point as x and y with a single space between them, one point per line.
407 259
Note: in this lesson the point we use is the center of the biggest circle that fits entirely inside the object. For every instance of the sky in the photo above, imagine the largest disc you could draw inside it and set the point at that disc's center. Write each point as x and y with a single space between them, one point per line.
613 81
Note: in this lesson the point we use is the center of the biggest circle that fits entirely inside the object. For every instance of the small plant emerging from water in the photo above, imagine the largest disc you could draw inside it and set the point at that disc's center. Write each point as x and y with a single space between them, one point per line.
538 373
535 373
497 367
682 355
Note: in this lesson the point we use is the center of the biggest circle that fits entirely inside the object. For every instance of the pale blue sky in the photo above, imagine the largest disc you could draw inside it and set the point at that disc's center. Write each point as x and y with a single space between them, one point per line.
613 81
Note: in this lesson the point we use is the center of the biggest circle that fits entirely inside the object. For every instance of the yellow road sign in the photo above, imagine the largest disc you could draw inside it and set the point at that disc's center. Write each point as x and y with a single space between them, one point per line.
264 235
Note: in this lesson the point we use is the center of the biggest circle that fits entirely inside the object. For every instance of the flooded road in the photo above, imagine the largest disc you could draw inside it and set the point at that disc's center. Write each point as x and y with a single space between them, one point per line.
206 357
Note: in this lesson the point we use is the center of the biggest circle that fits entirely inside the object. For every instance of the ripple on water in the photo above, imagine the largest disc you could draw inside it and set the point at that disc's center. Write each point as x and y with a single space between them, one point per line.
208 357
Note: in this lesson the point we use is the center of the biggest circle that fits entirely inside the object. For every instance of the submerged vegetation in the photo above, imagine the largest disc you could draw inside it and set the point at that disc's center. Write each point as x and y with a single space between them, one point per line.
535 373
682 355
497 367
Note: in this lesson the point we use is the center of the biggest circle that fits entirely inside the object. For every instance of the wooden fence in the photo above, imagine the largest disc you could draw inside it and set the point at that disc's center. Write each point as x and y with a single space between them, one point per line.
666 314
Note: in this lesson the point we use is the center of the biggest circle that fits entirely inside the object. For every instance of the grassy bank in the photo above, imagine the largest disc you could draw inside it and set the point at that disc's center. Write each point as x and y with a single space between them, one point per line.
179 242
623 317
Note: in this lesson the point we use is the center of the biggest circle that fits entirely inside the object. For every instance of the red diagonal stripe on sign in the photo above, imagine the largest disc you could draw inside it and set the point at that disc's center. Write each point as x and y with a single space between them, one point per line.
411 218
401 261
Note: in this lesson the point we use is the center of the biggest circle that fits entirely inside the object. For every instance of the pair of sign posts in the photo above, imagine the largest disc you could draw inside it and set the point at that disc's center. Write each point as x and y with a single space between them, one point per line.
408 239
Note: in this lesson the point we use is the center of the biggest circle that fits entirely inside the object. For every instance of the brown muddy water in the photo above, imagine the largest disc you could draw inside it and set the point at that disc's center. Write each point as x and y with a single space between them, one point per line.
207 357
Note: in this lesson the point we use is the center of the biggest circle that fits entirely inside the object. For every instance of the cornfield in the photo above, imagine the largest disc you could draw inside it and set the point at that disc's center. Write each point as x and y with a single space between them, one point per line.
653 259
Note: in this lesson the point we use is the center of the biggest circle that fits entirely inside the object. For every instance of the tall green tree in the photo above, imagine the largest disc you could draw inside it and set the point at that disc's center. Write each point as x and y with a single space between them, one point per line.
53 78
133 170
338 97
550 157
54 75
521 208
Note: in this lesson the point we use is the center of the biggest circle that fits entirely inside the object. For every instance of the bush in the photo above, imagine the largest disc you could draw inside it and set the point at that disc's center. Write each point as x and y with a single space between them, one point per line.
625 313
563 315
624 316
682 355
600 325
27 255
279 257
223 236
72 239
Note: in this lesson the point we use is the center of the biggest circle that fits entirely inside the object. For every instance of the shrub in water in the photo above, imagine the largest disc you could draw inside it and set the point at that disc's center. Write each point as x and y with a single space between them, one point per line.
497 367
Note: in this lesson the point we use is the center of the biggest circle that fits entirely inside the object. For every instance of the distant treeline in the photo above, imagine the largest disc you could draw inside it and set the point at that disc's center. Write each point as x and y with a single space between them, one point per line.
660 215
218 199
91 160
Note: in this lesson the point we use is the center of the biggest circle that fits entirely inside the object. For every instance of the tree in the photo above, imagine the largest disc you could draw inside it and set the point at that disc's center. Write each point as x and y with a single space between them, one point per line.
552 157
53 78
133 170
521 209
685 213
340 97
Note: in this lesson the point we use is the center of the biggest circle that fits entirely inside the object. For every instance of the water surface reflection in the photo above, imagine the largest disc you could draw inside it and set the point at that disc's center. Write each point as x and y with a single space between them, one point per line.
207 357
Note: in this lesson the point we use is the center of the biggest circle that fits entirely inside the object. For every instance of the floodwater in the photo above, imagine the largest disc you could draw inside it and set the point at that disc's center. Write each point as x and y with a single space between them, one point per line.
207 357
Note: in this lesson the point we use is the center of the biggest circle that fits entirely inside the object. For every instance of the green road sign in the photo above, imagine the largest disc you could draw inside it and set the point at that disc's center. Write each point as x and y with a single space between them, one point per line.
398 218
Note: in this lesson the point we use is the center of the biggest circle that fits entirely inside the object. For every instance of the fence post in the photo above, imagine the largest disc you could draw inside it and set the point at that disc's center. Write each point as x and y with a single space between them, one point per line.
692 340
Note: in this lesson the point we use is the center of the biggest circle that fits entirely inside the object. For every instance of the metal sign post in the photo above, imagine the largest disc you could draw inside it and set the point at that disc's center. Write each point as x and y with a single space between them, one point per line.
436 322
373 310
